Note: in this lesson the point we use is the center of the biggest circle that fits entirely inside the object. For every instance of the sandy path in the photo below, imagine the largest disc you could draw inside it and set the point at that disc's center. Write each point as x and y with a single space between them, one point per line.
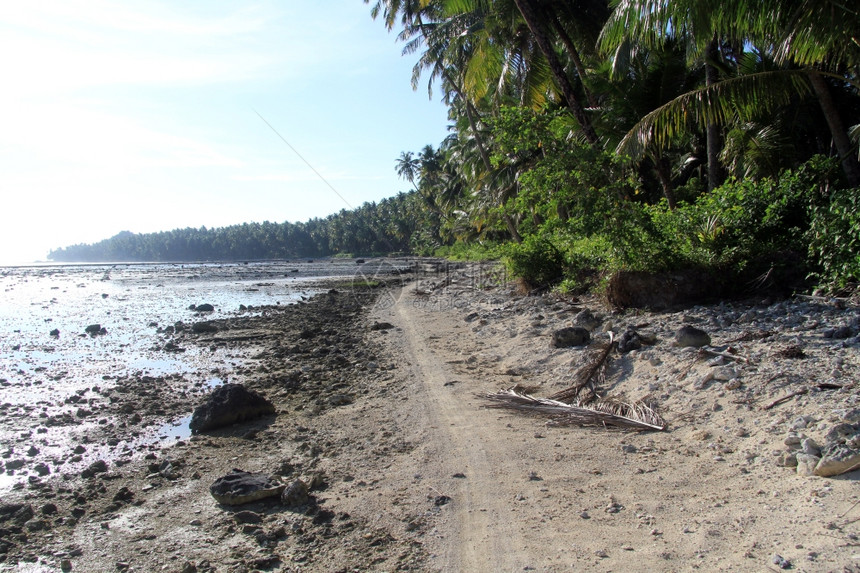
479 536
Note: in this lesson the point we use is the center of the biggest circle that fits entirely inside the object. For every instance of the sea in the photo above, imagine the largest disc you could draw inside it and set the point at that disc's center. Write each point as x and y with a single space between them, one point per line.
49 363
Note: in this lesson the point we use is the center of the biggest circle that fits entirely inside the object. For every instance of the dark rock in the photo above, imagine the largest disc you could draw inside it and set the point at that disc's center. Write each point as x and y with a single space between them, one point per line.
295 494
240 487
55 332
205 307
95 330
630 340
691 336
229 404
124 494
48 509
842 332
42 469
381 326
204 327
570 336
97 467
20 513
359 261
247 517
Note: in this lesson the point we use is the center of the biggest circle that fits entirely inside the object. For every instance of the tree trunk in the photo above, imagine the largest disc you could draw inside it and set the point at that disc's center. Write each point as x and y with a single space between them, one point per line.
663 174
574 57
546 47
712 131
837 129
512 228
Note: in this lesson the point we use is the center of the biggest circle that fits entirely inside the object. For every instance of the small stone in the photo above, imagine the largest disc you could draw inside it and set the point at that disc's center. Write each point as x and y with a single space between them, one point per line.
780 561
66 564
725 373
295 494
601 553
692 337
570 336
247 517
806 464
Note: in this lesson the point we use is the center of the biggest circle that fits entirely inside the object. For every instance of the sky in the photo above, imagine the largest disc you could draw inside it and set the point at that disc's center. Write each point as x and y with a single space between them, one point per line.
142 116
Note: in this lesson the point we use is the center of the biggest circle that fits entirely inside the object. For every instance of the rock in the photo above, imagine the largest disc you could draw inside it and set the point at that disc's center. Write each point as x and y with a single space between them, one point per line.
95 330
725 373
629 341
124 494
586 319
842 332
808 446
247 517
295 494
780 561
205 307
55 332
42 469
229 404
570 336
806 464
381 326
20 513
837 460
836 436
240 487
97 467
204 327
691 336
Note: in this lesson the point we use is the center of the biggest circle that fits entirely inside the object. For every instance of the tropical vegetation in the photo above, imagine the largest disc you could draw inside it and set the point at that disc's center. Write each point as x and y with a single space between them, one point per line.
592 136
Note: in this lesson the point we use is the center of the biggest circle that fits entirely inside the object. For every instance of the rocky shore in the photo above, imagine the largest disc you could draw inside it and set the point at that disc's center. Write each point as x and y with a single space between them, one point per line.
379 416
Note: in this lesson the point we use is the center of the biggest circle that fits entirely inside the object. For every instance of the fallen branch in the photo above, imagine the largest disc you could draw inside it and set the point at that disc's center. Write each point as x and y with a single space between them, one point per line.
593 374
785 398
725 355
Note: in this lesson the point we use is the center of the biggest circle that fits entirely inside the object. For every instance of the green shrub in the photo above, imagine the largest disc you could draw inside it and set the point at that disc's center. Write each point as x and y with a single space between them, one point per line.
834 238
536 260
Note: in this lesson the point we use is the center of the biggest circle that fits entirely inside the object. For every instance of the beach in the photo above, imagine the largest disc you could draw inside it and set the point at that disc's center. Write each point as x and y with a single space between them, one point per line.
379 387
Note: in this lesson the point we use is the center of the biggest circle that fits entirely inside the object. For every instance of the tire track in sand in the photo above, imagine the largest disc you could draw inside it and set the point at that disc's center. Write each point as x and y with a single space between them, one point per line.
477 530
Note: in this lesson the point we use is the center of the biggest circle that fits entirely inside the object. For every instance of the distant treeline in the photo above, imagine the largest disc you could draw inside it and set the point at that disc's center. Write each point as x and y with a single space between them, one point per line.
402 223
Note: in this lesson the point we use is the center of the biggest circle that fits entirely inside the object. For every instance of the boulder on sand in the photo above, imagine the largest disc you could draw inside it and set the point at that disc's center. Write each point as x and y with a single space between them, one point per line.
238 487
229 404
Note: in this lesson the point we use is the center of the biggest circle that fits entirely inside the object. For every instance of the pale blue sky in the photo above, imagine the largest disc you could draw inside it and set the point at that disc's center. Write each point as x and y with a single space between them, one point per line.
140 115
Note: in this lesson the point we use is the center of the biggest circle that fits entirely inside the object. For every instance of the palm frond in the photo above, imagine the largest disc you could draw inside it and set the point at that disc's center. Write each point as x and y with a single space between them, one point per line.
742 98
603 413
588 378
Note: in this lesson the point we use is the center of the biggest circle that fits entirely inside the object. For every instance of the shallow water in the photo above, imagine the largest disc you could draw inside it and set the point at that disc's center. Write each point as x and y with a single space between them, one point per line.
44 376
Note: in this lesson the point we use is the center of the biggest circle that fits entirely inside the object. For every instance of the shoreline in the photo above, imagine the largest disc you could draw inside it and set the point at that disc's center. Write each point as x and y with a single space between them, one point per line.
377 397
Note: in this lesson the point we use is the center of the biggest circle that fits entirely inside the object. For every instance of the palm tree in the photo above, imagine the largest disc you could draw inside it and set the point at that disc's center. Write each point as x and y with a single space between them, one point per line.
408 167
811 39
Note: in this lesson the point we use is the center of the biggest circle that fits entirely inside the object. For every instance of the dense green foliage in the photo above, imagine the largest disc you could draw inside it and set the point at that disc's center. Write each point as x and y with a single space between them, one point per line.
384 227
589 137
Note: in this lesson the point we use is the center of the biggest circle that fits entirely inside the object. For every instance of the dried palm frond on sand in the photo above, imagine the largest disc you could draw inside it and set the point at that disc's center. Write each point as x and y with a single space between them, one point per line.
636 416
581 403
